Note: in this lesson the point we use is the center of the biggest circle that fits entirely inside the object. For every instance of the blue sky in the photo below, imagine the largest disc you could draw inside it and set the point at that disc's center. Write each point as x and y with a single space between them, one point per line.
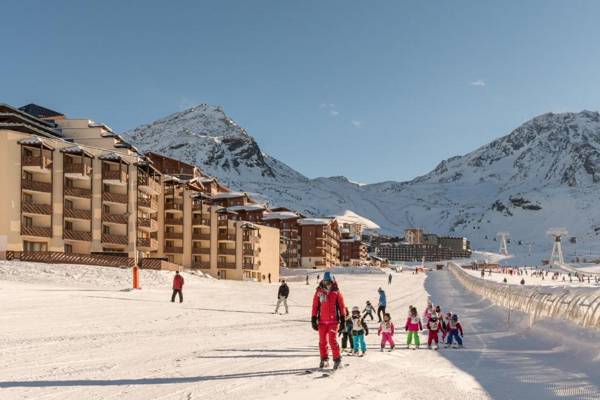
373 90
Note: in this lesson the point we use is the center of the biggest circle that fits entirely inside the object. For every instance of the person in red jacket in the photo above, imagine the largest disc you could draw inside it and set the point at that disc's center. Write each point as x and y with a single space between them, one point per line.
328 310
177 287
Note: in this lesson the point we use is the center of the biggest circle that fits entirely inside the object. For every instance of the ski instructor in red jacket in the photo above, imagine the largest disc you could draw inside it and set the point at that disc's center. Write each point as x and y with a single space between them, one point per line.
327 311
177 287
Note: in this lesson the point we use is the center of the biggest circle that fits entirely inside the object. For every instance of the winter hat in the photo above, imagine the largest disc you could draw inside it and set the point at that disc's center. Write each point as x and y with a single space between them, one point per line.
454 317
355 309
328 276
434 318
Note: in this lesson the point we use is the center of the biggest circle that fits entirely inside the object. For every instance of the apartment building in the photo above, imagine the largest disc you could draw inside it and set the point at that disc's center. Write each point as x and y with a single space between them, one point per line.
319 241
74 186
287 222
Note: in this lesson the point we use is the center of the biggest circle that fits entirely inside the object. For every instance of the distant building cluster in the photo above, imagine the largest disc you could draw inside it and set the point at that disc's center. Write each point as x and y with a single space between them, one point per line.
418 246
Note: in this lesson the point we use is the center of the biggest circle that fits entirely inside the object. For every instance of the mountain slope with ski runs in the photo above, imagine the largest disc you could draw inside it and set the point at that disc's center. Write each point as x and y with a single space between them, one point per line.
546 173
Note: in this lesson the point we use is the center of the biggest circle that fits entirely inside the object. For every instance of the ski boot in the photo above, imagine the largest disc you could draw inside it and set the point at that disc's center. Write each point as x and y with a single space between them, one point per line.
429 347
336 363
382 349
324 363
392 348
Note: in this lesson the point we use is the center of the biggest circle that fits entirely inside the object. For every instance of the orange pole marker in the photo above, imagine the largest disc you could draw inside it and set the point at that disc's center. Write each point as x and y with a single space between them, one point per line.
136 277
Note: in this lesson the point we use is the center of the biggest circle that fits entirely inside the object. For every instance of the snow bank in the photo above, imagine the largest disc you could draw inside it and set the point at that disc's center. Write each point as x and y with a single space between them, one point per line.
578 305
283 271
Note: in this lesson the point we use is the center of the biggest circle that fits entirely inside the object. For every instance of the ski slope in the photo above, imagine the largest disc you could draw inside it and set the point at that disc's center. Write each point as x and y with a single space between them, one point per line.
66 337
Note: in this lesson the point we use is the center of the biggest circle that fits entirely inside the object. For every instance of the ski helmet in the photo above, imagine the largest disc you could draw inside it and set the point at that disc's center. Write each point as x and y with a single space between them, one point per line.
355 310
433 317
454 317
328 276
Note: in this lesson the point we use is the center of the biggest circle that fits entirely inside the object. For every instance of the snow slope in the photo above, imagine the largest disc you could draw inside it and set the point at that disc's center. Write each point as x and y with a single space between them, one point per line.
543 174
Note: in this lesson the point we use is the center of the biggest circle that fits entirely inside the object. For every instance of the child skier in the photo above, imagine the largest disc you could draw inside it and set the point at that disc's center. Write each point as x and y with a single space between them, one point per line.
445 324
345 331
434 326
369 310
413 326
359 331
453 329
386 331
428 312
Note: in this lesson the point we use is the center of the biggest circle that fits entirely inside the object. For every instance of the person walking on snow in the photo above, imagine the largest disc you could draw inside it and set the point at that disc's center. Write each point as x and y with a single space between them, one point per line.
413 326
345 332
382 304
359 331
453 328
386 331
369 310
390 279
328 309
434 326
282 295
177 287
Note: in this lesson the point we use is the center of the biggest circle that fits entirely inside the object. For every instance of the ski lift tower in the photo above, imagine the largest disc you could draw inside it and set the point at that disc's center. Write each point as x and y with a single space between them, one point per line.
557 254
503 242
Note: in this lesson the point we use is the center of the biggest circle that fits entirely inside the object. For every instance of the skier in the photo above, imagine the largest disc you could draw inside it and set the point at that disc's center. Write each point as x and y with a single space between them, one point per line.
345 331
282 295
369 310
386 331
382 304
428 312
453 328
434 325
390 279
269 277
328 309
177 287
413 326
359 331
307 279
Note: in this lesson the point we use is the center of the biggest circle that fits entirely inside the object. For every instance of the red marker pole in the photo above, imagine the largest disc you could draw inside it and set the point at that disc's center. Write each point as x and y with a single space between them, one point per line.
136 277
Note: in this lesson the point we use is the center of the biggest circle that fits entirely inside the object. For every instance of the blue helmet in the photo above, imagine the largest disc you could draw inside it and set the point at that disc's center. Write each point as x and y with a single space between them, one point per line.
454 317
328 276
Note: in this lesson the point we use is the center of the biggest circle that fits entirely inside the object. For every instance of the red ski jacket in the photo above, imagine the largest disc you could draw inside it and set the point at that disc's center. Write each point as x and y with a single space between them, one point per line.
328 306
177 282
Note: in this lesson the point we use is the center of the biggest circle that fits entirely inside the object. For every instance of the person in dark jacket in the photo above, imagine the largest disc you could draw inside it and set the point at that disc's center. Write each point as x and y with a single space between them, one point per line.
177 287
345 331
282 295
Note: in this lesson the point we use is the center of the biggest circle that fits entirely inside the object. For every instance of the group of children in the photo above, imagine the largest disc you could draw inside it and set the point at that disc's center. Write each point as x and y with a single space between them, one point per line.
354 329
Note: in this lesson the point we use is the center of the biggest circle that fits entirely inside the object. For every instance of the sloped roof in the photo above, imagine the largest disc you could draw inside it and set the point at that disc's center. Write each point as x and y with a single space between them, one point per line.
39 111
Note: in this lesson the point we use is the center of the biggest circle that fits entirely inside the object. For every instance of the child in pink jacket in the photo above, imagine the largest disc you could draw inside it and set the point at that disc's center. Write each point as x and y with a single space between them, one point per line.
413 326
386 331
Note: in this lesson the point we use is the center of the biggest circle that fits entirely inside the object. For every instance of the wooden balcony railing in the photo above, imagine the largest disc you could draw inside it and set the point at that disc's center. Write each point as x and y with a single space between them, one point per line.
173 221
78 168
78 214
36 161
200 250
173 249
39 231
227 265
78 192
227 252
170 206
201 264
200 220
200 207
114 239
174 235
200 236
147 203
147 223
226 236
41 209
250 252
248 265
149 243
145 182
223 222
78 235
70 258
114 175
36 186
114 197
114 218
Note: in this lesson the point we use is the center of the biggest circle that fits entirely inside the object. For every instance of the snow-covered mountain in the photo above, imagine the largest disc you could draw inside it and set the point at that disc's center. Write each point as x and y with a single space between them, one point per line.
545 173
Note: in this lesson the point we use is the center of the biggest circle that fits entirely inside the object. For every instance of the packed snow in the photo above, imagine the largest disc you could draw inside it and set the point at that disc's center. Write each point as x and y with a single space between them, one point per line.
532 277
73 332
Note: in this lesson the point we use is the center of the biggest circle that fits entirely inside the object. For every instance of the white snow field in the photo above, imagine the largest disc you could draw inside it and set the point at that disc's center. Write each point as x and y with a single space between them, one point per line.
534 280
73 332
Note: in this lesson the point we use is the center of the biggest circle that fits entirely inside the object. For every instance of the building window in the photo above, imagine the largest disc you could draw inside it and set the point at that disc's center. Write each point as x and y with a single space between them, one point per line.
28 176
27 198
68 248
35 246
68 226
69 204
27 222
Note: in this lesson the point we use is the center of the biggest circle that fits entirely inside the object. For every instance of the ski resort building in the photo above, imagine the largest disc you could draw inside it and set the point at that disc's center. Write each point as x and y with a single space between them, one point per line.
287 222
418 245
75 190
319 242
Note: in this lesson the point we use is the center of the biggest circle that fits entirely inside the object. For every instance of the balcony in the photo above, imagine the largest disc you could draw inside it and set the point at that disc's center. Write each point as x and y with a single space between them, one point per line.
200 236
200 250
147 244
116 177
114 239
173 221
147 224
248 265
148 185
223 223
38 231
78 192
78 235
118 198
200 207
115 218
38 209
173 206
201 220
174 235
201 264
227 252
173 249
36 186
36 163
250 252
148 205
223 236
226 265
78 170
78 214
